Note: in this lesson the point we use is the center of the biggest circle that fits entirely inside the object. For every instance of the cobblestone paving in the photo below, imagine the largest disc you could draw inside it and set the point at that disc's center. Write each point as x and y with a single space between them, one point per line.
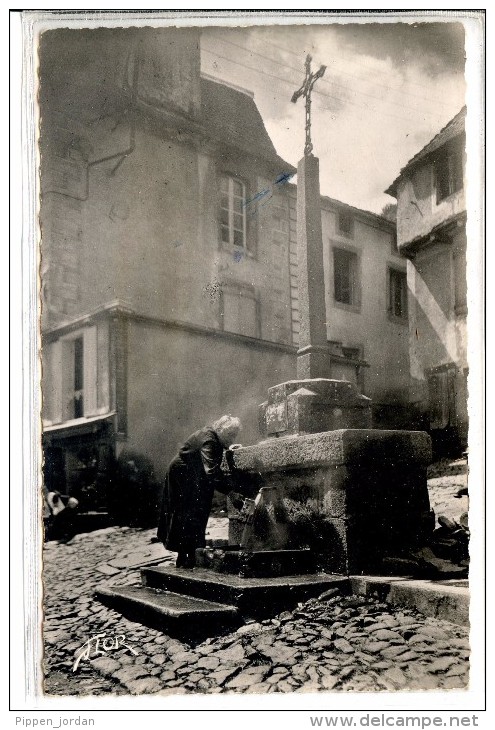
340 644
443 491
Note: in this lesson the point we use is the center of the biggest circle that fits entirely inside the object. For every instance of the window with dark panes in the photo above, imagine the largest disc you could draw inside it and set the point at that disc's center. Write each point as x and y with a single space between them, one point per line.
345 224
353 353
448 172
345 266
78 378
393 243
232 211
397 305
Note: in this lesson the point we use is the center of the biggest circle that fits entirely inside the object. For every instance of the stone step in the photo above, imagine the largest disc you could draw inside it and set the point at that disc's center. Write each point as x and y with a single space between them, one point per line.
257 597
444 599
185 617
257 563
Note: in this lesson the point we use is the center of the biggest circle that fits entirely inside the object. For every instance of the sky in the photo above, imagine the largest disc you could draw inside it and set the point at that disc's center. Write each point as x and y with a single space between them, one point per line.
387 90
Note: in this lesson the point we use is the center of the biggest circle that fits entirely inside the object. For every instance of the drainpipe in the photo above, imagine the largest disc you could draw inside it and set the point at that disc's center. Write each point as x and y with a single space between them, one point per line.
123 154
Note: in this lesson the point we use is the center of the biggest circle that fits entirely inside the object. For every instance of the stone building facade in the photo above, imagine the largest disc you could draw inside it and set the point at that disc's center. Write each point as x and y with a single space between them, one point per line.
165 282
366 305
167 259
431 234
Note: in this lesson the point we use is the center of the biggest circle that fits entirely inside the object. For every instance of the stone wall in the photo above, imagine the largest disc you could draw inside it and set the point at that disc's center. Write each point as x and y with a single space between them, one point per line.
148 235
130 187
180 379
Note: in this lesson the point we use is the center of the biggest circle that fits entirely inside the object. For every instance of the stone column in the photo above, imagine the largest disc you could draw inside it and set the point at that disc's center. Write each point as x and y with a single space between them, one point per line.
312 356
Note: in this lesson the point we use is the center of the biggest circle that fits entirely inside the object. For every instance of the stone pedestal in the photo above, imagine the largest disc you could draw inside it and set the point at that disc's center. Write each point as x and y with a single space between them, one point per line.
370 486
312 406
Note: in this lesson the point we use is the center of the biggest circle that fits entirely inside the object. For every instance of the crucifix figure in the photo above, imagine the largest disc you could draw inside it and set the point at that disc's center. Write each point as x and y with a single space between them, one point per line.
305 90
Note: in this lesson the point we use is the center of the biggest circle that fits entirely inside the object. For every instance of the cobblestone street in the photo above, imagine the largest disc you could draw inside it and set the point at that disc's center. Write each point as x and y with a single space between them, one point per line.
340 643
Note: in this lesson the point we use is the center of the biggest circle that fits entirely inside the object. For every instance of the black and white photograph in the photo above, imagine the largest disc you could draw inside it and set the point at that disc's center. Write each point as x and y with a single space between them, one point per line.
258 272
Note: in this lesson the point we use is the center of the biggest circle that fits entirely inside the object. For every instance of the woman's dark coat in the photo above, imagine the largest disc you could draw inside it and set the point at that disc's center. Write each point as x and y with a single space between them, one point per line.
192 477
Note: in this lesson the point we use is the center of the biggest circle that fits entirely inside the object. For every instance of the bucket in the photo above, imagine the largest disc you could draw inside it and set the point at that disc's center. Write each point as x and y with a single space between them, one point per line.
266 522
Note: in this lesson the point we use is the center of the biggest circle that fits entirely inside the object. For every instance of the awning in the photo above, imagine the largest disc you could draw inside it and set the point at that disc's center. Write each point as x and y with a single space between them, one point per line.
78 426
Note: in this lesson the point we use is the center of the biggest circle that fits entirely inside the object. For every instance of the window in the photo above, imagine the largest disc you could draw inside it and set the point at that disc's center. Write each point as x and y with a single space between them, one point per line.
345 224
448 172
79 374
240 310
397 293
78 396
353 353
232 211
441 396
70 377
393 243
345 268
460 283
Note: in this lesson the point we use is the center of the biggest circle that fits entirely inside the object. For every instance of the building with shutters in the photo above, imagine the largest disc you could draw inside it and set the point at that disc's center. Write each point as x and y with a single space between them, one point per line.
366 306
431 234
168 263
165 234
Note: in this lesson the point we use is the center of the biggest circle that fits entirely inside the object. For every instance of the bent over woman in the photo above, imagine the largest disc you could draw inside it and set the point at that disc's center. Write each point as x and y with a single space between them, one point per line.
192 477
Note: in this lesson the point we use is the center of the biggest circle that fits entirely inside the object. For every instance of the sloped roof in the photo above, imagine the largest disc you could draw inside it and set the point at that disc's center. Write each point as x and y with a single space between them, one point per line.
328 203
375 217
231 115
451 130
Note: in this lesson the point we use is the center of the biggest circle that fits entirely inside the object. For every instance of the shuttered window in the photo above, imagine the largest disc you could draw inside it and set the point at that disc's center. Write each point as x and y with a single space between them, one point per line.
70 380
240 310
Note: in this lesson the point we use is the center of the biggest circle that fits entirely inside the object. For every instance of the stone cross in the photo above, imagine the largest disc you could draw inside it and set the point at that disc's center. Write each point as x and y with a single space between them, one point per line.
313 354
314 402
305 90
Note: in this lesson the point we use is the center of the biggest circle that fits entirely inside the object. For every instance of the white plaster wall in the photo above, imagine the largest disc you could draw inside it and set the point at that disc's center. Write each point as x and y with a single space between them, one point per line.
383 339
417 208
